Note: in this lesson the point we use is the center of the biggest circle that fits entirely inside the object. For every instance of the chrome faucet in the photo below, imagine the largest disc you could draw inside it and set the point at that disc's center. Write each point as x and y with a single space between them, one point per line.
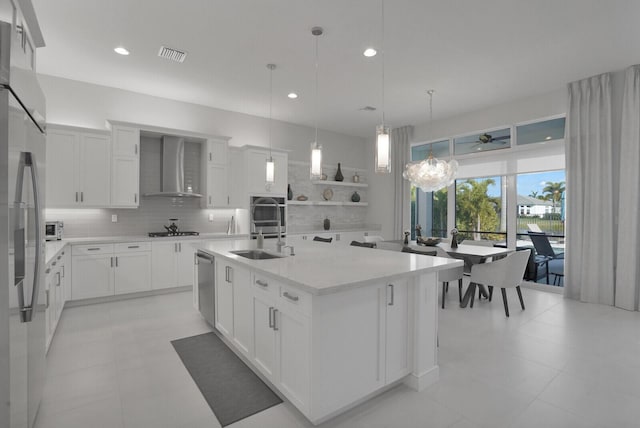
280 242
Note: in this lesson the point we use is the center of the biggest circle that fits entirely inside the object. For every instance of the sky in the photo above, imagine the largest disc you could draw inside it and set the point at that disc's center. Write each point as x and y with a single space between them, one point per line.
528 183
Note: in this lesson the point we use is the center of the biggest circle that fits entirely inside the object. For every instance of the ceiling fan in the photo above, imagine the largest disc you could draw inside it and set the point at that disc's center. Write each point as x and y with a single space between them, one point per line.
485 139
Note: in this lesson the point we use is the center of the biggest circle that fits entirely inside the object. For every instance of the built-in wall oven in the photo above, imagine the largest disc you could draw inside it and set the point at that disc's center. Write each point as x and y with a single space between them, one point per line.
266 216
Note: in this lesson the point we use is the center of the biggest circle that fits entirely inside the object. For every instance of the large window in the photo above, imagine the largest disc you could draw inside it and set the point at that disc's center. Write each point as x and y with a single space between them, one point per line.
480 212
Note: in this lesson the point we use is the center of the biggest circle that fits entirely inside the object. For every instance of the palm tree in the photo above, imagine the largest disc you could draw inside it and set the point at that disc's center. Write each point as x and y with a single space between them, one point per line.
553 192
533 194
475 210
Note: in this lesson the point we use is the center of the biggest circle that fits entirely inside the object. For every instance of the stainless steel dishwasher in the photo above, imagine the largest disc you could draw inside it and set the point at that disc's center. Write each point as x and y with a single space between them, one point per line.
206 286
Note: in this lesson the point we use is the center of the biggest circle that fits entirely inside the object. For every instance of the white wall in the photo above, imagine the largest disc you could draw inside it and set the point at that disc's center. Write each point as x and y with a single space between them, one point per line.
70 102
531 108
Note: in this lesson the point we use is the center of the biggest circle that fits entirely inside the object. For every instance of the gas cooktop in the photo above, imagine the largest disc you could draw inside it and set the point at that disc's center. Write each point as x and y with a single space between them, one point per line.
168 234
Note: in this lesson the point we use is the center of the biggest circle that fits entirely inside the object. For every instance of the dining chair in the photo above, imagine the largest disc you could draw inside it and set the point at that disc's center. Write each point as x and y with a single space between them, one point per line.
504 273
363 244
544 251
320 239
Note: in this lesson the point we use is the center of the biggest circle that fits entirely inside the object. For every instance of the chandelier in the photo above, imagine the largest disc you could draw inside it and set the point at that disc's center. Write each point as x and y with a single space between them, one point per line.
431 174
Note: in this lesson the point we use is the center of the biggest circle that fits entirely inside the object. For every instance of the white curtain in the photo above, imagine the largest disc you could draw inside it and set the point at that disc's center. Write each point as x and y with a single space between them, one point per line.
401 155
589 262
628 255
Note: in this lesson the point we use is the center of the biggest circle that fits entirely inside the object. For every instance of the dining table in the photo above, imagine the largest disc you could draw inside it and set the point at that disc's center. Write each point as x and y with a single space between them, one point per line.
473 254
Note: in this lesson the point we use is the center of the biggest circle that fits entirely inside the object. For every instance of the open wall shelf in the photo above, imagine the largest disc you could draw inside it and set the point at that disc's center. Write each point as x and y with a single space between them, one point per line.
329 203
339 183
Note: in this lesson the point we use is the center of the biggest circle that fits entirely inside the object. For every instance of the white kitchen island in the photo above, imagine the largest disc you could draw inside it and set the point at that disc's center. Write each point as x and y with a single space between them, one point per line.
332 326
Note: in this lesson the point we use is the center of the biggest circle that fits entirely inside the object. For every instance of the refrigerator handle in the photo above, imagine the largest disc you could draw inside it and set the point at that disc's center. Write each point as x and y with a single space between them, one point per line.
27 160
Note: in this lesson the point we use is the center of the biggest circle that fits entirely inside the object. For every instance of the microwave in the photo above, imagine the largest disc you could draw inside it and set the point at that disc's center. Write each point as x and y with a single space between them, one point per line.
53 230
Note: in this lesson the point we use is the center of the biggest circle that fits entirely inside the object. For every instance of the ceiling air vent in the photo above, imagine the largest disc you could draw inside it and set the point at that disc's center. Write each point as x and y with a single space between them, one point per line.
367 108
172 54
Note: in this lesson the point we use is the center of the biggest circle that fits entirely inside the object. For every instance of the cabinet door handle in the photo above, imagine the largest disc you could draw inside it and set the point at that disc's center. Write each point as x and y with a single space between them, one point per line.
116 261
135 149
76 196
58 280
262 283
209 199
54 263
133 246
290 296
229 272
270 317
63 271
180 246
81 196
392 295
47 293
275 320
111 261
228 200
135 198
93 249
210 156
226 273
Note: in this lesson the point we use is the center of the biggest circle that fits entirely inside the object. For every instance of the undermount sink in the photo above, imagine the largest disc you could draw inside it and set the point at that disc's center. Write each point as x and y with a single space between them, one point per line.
255 254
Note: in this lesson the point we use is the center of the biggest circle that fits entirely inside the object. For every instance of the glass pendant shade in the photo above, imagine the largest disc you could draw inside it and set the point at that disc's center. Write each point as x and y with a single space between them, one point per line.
270 172
316 161
383 150
431 174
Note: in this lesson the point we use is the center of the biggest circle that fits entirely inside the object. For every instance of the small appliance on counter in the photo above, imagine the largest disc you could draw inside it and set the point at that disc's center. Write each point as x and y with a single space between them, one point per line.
53 230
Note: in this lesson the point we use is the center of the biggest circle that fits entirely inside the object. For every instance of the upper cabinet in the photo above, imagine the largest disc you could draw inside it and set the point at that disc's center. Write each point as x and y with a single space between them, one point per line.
215 172
125 172
78 167
256 159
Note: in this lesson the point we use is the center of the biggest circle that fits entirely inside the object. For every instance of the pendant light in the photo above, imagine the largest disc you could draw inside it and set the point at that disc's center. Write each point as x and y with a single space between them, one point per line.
383 141
270 166
315 170
431 174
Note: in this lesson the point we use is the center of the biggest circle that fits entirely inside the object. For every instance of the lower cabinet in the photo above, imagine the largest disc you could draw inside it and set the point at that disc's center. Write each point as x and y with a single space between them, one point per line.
173 264
132 268
397 361
57 282
105 270
224 298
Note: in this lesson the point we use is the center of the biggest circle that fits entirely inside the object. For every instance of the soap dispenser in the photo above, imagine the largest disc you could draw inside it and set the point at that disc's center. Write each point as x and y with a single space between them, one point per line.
260 243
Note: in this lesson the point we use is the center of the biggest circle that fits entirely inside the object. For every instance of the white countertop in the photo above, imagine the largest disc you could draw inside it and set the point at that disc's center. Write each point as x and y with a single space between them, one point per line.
54 247
320 268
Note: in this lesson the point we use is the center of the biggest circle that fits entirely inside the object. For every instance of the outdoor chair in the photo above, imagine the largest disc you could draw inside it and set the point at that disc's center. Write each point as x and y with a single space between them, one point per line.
504 273
544 252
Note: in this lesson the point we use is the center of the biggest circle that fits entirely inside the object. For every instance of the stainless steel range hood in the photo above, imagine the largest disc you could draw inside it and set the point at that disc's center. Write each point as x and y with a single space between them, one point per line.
173 169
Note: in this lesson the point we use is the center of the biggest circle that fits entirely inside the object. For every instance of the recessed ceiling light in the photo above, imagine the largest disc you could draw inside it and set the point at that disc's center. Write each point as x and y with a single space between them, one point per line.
293 95
369 52
548 138
122 51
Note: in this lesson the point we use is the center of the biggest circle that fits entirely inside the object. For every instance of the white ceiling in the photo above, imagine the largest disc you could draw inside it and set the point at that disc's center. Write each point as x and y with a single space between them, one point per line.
474 53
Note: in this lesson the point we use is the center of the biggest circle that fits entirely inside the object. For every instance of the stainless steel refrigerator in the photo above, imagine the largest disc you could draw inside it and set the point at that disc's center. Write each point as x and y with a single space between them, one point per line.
22 251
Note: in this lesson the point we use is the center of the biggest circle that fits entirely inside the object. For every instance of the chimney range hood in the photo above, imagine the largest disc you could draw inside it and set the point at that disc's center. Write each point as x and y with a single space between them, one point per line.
173 169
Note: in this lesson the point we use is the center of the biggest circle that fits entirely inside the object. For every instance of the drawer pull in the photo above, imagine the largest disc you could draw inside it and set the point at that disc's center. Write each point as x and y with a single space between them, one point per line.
290 296
93 249
262 283
134 246
53 263
59 257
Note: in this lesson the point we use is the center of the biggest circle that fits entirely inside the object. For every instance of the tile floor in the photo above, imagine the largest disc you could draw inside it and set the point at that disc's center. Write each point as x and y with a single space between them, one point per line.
560 363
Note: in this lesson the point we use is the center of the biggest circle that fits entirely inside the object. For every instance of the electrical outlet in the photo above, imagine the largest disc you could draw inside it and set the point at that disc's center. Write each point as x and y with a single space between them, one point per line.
114 218
211 217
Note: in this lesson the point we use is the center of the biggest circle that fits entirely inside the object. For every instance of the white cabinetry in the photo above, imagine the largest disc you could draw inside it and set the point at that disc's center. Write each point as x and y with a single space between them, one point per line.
256 172
57 282
397 361
78 168
215 161
173 264
224 298
108 269
281 337
125 160
133 267
93 273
